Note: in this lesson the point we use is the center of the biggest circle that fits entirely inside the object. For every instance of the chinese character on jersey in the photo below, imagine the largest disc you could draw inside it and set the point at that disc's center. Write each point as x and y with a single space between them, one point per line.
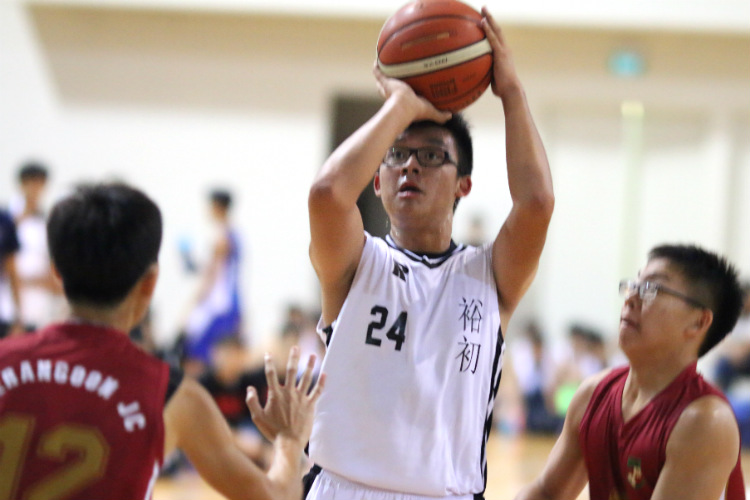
472 314
469 355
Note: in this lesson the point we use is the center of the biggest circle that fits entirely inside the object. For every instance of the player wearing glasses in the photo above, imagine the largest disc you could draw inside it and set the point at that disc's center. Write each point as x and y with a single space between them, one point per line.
655 429
413 321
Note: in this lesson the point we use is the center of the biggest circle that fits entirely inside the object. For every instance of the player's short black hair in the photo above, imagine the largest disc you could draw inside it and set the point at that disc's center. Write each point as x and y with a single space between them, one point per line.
32 170
102 239
712 281
221 197
459 129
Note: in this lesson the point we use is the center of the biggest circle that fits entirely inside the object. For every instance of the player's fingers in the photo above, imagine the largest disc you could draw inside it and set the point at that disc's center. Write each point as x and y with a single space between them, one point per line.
380 77
438 116
380 80
489 33
271 378
445 116
253 402
492 28
318 388
307 375
291 366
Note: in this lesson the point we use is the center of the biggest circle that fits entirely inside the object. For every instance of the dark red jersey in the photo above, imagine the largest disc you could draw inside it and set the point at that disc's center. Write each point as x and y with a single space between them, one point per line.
81 415
624 459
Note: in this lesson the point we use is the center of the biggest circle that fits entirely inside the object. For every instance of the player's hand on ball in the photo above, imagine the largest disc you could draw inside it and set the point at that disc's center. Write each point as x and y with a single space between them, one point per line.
423 109
289 406
504 76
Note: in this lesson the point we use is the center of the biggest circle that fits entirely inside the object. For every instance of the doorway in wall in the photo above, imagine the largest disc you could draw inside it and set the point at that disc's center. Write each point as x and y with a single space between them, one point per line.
348 114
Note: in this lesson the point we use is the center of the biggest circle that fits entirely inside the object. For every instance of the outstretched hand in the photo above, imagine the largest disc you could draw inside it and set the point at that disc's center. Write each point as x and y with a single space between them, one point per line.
422 108
289 406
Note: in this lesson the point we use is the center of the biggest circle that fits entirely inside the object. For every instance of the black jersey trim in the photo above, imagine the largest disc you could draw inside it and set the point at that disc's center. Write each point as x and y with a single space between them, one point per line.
495 384
328 331
431 260
309 478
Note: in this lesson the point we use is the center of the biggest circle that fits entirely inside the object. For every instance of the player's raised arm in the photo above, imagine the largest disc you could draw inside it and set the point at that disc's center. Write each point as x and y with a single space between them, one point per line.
335 223
520 241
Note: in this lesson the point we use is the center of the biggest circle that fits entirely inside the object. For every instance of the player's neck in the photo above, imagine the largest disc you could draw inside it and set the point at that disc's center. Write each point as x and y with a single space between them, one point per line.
647 380
118 318
423 240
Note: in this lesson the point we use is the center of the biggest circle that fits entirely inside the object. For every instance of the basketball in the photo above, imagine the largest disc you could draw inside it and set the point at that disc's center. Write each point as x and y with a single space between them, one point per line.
439 48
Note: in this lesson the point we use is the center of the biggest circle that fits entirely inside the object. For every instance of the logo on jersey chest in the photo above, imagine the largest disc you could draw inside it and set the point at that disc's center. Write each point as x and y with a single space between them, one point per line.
635 473
400 271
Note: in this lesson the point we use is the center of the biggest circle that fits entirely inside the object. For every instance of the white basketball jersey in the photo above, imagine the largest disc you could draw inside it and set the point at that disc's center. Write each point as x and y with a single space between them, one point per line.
413 364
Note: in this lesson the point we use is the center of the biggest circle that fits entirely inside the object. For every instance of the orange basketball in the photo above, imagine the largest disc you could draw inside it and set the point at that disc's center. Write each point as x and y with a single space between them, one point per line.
439 48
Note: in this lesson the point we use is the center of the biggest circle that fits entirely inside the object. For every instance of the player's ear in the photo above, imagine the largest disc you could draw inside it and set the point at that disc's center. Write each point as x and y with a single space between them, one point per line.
55 273
463 187
376 183
147 284
701 322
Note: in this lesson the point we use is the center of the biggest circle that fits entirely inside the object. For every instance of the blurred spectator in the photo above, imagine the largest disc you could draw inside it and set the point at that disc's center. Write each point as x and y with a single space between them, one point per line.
10 321
227 380
508 414
40 292
307 338
297 328
476 234
586 357
216 313
732 368
733 363
534 369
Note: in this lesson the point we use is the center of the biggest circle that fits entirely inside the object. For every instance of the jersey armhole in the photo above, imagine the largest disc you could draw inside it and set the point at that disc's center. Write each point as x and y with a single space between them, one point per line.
325 332
175 378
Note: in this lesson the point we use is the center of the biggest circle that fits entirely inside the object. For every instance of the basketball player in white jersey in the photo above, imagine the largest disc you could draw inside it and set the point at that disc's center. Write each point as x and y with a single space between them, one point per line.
414 322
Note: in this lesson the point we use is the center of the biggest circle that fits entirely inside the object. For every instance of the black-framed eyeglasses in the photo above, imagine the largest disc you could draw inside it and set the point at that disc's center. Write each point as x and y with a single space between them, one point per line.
648 290
428 156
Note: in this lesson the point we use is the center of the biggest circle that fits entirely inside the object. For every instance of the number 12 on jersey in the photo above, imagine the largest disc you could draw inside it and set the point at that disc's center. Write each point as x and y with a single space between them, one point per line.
395 333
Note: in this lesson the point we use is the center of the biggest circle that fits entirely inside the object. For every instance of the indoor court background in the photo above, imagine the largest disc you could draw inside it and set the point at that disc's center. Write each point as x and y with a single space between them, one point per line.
644 109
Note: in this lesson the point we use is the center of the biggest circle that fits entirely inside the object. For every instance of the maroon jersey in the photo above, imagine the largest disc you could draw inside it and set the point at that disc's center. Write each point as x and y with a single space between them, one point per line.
624 459
80 415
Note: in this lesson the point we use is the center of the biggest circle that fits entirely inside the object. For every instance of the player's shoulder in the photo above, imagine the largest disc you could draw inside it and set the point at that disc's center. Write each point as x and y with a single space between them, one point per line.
588 387
707 413
377 243
591 383
20 344
706 426
378 251
189 396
